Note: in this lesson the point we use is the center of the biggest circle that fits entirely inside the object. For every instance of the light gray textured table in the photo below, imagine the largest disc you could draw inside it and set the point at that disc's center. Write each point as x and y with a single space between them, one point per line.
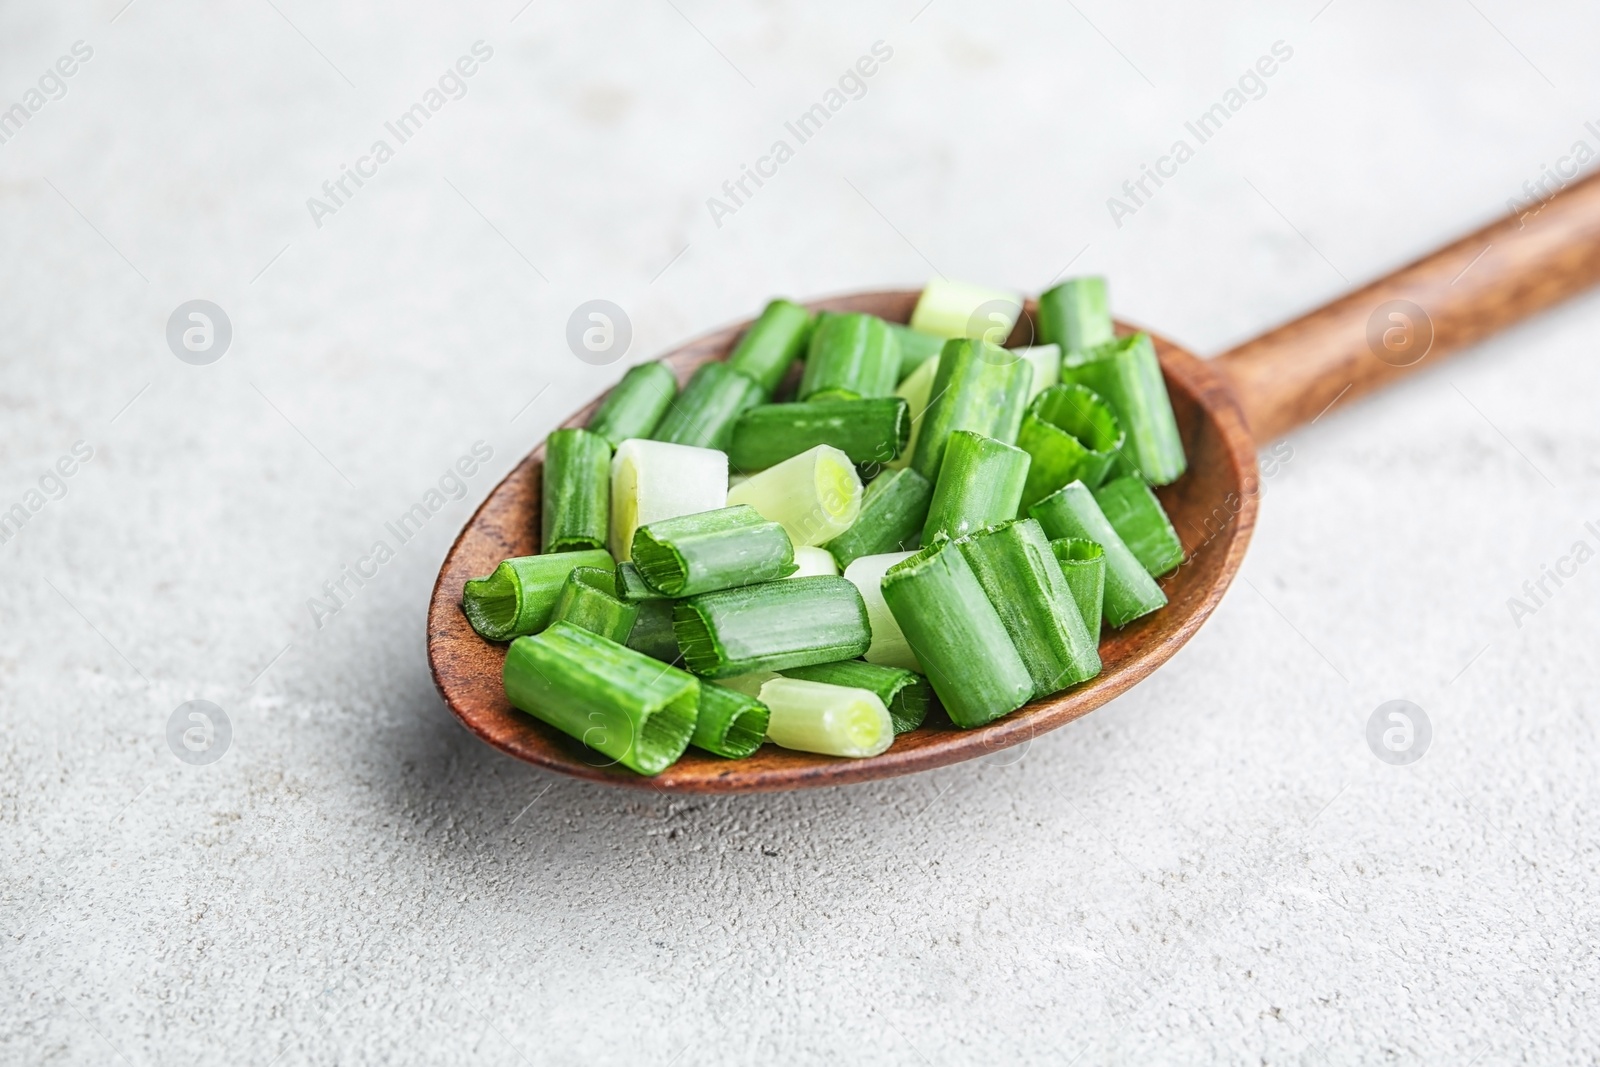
1214 867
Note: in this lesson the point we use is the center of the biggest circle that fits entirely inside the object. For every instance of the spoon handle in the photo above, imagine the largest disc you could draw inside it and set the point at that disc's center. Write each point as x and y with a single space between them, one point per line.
1444 302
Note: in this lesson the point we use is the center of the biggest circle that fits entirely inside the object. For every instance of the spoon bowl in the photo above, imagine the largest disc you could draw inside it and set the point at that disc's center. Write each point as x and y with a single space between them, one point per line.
1213 507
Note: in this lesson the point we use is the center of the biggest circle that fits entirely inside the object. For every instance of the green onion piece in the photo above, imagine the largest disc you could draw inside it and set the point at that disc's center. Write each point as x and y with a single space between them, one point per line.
810 561
815 495
632 587
1084 564
653 480
906 694
980 483
576 495
1127 374
893 509
771 344
979 387
956 309
771 626
916 390
1137 516
958 637
818 319
704 413
652 631
1076 315
1018 571
851 356
833 720
520 595
1130 591
611 698
588 599
1046 363
635 405
868 431
889 647
749 684
1072 435
730 723
916 348
712 550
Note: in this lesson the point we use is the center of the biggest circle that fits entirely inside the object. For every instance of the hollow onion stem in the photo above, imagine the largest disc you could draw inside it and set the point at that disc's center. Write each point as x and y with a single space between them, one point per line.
520 595
832 720
815 496
980 483
771 626
635 405
654 480
588 599
575 506
1130 592
958 637
614 700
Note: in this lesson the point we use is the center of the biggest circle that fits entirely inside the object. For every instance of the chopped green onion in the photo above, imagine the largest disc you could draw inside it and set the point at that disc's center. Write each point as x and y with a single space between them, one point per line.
1084 564
851 356
906 694
611 698
832 720
1076 315
980 482
815 495
1127 374
576 495
811 561
635 405
632 587
589 599
1130 591
893 509
704 413
979 387
958 637
653 480
1018 572
956 309
652 631
711 550
889 647
730 723
520 595
957 437
771 344
868 431
1072 435
1046 363
771 626
750 683
1137 516
916 347
916 391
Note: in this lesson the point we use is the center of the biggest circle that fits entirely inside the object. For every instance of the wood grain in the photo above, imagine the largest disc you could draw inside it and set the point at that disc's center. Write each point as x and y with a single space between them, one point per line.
1213 508
1499 275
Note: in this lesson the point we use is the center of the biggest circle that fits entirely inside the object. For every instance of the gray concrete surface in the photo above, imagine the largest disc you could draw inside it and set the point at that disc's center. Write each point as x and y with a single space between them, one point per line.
1214 868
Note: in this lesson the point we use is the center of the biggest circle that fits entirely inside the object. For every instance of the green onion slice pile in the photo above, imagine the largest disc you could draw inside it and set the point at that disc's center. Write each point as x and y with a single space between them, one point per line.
847 530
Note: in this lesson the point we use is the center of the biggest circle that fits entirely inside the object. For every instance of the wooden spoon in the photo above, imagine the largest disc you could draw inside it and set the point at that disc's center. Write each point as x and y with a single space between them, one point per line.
1226 408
